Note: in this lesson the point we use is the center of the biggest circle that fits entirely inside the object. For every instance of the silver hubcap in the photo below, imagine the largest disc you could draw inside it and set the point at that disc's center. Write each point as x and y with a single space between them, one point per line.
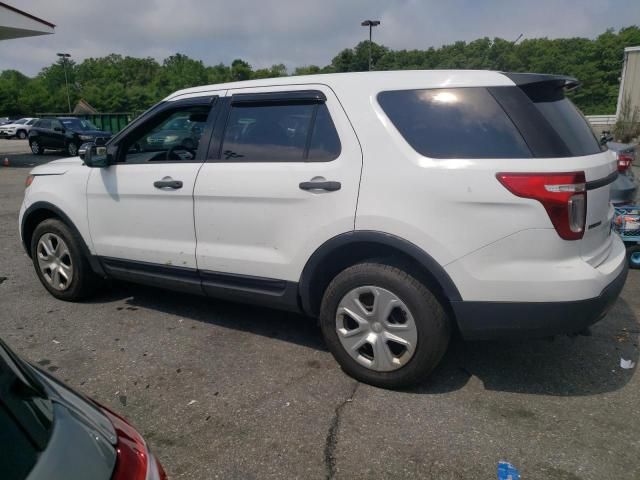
72 149
35 148
376 328
54 261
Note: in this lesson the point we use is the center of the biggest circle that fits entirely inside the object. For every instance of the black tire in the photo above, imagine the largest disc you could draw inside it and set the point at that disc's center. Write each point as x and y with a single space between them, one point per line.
84 281
72 149
633 255
433 326
21 134
36 148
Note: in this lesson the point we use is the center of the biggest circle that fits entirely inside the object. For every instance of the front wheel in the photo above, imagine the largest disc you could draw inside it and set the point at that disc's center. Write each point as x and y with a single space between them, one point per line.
59 262
383 326
633 254
22 135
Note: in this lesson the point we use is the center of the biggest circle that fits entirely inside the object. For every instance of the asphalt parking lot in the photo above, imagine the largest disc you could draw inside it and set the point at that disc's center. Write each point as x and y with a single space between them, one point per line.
221 390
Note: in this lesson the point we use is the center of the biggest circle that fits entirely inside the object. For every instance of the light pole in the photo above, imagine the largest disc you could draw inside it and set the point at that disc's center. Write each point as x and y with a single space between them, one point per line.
64 57
370 24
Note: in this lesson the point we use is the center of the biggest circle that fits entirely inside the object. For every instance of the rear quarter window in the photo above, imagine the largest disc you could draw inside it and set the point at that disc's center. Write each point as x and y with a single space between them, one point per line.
454 123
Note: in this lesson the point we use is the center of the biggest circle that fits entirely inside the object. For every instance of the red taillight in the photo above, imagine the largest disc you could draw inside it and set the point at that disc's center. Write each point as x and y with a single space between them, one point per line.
624 161
133 457
563 196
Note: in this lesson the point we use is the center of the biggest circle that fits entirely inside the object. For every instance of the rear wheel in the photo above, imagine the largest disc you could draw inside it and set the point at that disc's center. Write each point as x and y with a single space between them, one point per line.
633 253
36 148
383 326
59 262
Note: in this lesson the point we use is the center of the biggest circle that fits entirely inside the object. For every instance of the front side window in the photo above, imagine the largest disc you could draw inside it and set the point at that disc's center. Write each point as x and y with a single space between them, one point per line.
170 136
454 123
280 132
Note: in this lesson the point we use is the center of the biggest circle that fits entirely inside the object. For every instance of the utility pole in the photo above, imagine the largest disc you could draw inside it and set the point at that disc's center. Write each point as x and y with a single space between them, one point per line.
64 57
370 24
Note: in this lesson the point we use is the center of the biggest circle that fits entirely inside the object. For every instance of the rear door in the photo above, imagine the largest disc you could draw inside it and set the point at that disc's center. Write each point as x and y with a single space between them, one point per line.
282 177
56 136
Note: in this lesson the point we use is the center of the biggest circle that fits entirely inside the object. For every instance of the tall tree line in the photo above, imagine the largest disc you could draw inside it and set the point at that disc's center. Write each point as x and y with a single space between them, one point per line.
117 83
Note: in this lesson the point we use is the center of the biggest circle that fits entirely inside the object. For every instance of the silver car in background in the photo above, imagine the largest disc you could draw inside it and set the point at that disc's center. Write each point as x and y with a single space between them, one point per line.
625 188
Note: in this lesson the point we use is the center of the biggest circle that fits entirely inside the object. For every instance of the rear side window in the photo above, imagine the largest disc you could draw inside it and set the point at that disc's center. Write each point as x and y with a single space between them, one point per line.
44 124
454 123
280 132
565 119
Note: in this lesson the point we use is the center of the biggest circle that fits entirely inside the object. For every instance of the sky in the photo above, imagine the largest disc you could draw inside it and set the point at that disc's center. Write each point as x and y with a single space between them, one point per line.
293 32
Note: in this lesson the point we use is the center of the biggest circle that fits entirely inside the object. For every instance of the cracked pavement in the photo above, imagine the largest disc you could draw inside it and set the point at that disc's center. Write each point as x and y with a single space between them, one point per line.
221 390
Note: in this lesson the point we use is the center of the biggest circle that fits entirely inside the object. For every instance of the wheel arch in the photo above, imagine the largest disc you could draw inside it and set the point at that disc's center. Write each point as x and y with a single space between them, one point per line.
350 248
41 211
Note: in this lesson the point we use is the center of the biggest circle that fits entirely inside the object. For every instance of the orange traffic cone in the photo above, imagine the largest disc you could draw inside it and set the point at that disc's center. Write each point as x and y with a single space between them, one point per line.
6 162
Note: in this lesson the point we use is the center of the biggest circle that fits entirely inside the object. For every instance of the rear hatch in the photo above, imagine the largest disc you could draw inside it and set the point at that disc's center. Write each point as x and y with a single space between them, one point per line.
554 129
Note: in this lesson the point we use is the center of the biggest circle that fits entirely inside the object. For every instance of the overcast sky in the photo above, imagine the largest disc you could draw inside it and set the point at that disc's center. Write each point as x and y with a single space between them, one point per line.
293 32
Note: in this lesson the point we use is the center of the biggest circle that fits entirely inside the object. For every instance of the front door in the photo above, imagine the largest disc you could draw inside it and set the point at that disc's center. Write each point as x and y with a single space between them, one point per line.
141 206
281 179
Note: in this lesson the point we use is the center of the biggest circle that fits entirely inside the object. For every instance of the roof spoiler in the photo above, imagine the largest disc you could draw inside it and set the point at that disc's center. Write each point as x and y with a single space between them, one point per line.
540 79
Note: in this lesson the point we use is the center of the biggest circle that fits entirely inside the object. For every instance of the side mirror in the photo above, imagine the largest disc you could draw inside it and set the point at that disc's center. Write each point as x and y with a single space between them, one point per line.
94 156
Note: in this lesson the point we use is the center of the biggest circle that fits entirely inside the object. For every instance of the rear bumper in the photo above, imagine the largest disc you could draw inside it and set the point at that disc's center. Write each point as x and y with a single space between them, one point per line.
494 320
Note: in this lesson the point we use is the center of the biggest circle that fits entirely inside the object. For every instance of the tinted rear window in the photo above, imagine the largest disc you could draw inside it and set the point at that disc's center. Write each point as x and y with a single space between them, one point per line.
565 118
454 123
280 133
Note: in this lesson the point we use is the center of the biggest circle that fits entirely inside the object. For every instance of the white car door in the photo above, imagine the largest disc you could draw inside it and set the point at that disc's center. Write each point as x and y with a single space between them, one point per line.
140 207
282 178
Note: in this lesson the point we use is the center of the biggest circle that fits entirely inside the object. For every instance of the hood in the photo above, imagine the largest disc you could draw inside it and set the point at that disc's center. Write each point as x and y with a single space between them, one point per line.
57 167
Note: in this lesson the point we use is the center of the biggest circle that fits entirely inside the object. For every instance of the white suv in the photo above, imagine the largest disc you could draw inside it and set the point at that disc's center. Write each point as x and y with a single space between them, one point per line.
393 206
19 128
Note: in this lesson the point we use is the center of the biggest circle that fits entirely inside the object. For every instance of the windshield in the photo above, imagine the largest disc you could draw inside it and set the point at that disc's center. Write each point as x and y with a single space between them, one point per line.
78 124
22 121
26 415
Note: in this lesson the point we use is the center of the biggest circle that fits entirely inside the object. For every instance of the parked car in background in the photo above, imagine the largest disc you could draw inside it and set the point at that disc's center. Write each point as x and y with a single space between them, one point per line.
625 189
63 133
19 128
182 131
50 432
395 206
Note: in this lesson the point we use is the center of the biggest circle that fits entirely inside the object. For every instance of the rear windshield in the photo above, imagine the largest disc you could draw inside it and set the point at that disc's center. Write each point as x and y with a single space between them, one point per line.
453 123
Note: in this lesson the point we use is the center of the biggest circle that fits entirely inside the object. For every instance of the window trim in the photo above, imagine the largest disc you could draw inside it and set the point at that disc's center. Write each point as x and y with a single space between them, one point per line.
264 99
113 147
